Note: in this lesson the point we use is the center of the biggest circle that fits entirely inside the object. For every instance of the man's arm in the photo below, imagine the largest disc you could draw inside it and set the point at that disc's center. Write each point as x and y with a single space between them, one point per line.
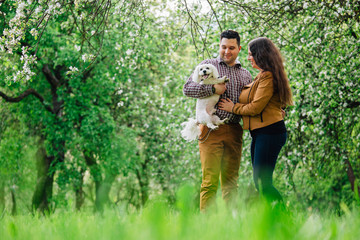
196 90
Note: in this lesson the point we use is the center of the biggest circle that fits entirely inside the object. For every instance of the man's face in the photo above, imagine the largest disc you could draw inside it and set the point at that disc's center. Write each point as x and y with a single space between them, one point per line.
229 50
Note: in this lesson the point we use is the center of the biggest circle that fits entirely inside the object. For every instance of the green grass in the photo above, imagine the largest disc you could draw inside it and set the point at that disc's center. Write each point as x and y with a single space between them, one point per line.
158 221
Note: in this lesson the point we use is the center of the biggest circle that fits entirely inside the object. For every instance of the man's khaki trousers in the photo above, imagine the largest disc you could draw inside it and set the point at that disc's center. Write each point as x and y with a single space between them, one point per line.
220 154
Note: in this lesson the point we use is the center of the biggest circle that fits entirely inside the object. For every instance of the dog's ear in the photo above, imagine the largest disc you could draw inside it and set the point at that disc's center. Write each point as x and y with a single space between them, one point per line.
214 71
195 76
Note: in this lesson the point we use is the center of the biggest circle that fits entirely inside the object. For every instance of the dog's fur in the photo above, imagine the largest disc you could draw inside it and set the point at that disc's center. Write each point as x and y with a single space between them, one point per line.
205 107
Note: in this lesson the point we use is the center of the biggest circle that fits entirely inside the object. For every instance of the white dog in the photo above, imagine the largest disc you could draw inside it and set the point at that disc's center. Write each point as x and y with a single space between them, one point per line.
205 107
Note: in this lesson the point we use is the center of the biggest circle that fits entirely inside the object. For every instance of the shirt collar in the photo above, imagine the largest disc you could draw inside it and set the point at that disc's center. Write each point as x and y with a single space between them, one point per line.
220 61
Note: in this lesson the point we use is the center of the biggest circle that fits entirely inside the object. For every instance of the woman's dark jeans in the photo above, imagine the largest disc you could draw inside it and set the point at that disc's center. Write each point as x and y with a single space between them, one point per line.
265 149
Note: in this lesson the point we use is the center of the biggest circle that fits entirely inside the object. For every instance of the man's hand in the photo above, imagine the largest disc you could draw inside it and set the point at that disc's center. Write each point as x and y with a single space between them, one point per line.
220 88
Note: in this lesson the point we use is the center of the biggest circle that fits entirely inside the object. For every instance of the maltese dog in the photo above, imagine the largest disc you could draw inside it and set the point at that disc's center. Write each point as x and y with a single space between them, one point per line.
205 107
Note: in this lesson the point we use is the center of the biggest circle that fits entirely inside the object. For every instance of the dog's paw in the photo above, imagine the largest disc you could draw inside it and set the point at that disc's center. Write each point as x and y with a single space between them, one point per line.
212 126
221 122
224 79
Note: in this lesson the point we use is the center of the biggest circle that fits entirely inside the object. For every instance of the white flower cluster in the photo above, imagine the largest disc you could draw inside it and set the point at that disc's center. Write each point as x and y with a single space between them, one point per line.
25 73
72 70
21 23
87 57
12 36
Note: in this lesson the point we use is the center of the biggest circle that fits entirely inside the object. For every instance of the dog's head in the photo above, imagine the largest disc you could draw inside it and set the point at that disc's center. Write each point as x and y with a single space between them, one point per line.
205 71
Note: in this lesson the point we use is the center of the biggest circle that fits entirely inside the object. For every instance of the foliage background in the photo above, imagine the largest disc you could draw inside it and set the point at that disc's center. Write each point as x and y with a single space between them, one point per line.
103 126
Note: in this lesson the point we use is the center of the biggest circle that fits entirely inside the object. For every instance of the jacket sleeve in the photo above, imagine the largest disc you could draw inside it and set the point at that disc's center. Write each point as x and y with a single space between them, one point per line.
196 90
263 94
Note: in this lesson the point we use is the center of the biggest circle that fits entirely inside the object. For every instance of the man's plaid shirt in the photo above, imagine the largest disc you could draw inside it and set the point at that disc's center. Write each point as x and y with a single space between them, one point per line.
239 77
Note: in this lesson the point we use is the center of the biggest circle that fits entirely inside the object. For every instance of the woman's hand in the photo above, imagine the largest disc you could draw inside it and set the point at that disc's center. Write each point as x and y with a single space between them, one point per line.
226 105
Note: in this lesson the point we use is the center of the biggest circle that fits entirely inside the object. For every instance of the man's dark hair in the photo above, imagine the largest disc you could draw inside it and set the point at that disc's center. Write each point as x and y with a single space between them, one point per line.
230 34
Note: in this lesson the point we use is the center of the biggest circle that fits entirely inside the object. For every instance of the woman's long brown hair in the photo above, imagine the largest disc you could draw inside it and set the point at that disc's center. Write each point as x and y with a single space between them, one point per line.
268 57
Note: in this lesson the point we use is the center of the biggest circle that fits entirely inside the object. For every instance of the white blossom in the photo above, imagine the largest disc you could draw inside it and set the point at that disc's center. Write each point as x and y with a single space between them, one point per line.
38 10
72 70
129 52
34 32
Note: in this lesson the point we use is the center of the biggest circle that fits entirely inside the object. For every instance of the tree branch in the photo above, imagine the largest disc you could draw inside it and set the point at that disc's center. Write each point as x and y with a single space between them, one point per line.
354 104
24 95
54 82
217 19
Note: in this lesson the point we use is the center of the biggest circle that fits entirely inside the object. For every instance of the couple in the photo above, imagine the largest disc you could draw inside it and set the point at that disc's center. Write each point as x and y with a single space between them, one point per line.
258 102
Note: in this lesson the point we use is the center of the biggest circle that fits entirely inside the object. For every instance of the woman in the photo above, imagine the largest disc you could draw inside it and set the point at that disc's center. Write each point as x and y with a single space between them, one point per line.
260 105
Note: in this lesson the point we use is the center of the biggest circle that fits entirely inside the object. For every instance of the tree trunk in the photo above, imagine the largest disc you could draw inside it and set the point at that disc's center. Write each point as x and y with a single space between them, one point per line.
13 200
144 183
351 176
2 197
102 193
165 187
46 164
79 192
45 179
95 172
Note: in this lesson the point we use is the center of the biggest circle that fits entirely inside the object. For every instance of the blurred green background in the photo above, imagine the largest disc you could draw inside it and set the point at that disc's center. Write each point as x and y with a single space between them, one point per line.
93 124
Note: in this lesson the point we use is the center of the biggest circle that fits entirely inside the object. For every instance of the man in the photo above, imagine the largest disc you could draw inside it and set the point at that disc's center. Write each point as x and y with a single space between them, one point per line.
220 149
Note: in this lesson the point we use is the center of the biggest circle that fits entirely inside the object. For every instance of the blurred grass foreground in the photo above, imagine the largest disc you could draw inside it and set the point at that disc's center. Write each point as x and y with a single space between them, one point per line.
245 220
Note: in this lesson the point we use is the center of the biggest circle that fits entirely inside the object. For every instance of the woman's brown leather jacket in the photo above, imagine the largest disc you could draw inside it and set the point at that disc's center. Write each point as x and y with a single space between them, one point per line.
258 104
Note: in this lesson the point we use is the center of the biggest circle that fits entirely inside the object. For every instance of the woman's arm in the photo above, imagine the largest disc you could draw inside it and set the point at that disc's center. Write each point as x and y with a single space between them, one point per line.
263 94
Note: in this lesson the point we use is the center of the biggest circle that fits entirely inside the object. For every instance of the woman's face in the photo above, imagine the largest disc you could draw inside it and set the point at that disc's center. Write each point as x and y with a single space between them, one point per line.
252 60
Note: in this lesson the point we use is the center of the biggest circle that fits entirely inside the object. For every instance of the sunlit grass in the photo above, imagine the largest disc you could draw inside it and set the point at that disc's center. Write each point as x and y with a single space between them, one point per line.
160 221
